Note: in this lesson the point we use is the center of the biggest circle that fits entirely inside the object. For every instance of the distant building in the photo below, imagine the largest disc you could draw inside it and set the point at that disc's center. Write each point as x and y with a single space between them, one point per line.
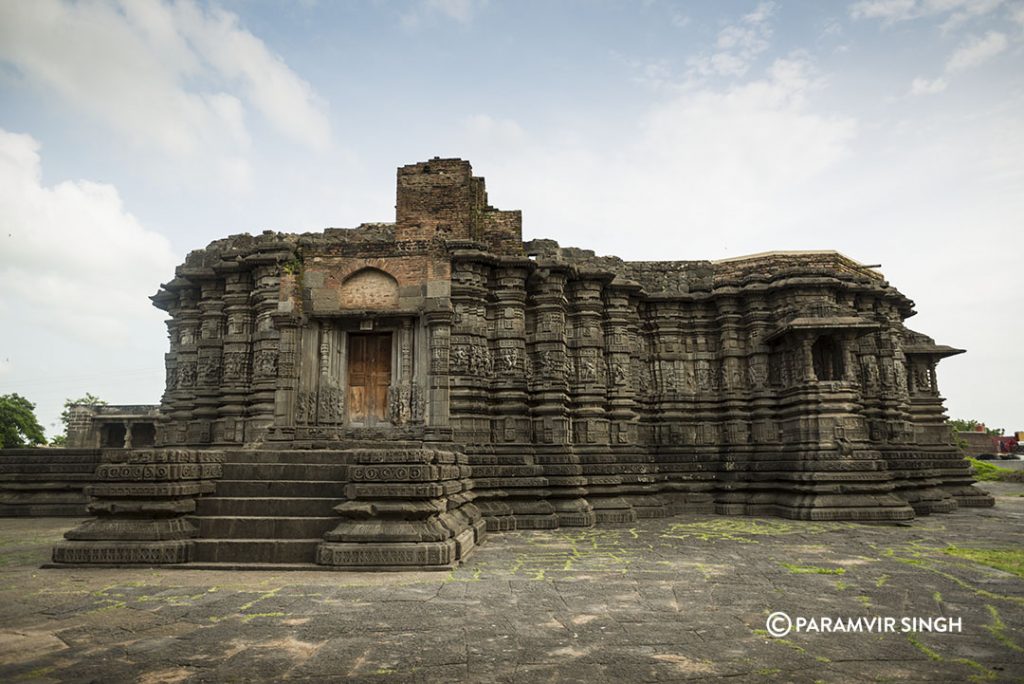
125 426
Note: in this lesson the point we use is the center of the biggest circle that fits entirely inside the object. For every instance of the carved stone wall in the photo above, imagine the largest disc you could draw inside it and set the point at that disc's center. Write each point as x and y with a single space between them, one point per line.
534 386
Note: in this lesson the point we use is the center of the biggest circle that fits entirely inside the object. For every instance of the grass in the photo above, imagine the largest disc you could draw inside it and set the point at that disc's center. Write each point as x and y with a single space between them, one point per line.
989 472
1007 560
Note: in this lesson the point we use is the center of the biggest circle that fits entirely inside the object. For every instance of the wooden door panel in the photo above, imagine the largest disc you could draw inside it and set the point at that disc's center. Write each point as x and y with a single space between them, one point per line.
357 404
369 375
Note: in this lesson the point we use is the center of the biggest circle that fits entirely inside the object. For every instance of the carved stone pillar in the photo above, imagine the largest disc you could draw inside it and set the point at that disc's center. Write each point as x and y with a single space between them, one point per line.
237 356
208 369
508 388
805 344
438 320
266 276
401 393
470 353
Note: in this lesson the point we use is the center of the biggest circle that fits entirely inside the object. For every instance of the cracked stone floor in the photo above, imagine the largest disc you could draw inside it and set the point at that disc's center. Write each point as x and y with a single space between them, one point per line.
673 599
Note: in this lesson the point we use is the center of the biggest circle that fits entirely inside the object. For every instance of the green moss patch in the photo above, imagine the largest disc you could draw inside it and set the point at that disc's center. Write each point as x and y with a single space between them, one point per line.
989 472
1007 560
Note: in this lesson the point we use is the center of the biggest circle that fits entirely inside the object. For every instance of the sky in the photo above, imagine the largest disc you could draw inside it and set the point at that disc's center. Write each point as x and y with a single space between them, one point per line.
134 132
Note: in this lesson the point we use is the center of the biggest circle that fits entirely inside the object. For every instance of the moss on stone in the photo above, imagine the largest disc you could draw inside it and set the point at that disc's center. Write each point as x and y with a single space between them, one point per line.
1007 560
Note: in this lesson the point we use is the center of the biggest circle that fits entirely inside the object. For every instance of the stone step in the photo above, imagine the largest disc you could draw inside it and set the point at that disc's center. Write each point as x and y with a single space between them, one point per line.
56 468
283 506
315 456
264 527
280 489
51 454
255 550
285 471
55 477
44 510
243 565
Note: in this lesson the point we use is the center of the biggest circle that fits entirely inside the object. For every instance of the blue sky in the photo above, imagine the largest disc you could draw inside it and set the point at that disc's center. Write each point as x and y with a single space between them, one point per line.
131 133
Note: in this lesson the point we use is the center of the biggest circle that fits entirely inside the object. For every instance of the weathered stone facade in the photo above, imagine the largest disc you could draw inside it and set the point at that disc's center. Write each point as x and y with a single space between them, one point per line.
462 380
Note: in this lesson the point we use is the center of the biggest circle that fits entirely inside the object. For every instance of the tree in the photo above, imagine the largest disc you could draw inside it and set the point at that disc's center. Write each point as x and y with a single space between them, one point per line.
65 415
18 423
971 425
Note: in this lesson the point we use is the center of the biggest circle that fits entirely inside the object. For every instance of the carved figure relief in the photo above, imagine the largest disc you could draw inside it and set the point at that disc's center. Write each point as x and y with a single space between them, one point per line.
460 360
619 374
642 375
265 362
900 377
186 374
586 369
305 408
870 369
417 405
757 373
331 407
235 365
399 404
209 370
886 372
922 379
510 361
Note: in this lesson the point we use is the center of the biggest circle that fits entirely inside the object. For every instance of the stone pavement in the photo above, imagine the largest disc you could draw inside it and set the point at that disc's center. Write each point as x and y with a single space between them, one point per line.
673 599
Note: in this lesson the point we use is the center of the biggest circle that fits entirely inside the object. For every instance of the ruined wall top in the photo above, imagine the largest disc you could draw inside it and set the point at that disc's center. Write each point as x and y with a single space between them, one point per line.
442 208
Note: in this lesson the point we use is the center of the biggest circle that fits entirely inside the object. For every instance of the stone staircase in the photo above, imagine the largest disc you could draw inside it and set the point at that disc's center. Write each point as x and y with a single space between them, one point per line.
40 481
270 507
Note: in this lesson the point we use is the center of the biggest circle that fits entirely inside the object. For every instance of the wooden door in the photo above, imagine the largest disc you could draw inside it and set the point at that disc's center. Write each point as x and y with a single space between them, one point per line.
369 375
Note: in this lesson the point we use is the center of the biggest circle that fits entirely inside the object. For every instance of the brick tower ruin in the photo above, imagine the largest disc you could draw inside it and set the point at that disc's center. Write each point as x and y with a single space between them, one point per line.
385 396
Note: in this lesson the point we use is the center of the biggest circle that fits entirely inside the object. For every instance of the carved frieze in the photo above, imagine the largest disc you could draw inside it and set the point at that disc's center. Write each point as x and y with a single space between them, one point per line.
236 366
265 363
186 374
209 370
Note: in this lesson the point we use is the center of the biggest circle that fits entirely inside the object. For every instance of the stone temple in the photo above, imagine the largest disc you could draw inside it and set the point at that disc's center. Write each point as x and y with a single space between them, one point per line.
384 397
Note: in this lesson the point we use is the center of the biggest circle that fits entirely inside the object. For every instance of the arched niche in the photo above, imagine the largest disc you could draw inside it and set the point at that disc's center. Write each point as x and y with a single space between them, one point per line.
369 288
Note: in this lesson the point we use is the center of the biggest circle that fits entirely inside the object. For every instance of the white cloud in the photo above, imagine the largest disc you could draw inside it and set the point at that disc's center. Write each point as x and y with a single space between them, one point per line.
170 77
460 11
894 11
76 269
705 169
976 51
969 11
891 10
287 101
924 86
72 254
738 45
678 19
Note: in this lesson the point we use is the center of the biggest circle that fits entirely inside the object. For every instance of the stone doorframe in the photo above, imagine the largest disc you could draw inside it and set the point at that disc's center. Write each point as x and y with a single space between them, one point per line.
315 396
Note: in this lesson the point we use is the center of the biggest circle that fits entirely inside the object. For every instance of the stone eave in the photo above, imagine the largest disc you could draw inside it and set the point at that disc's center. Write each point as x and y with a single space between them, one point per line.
374 314
811 324
939 351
